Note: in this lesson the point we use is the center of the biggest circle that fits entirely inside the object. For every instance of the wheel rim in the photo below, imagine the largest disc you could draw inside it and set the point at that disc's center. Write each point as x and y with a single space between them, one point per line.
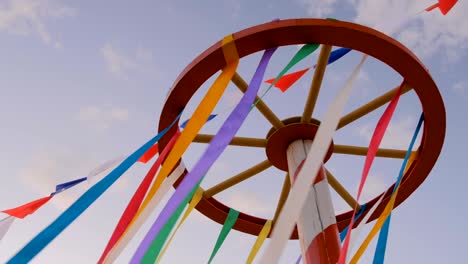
328 32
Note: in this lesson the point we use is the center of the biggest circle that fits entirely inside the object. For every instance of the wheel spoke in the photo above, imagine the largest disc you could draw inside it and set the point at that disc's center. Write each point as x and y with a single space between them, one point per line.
283 196
236 141
336 185
371 106
362 151
316 83
238 178
261 106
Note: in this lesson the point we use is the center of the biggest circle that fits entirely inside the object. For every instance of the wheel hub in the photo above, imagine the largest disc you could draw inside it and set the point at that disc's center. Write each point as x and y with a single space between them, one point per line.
278 140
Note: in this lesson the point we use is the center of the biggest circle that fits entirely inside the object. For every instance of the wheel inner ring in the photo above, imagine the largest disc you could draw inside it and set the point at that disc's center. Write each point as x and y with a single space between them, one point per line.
337 33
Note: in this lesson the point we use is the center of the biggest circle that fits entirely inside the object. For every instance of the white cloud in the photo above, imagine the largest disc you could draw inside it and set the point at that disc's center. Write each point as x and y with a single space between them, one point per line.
397 136
28 17
318 8
120 64
460 87
101 117
425 34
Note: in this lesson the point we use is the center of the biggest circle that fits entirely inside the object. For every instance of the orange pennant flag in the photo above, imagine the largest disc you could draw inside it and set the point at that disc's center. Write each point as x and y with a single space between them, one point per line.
27 209
149 154
287 80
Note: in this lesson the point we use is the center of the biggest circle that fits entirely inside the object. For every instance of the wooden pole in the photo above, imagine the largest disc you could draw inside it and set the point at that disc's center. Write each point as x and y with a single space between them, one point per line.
317 229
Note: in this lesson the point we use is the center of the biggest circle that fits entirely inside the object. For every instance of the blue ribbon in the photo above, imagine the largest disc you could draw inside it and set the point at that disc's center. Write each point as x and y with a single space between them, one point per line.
379 254
38 243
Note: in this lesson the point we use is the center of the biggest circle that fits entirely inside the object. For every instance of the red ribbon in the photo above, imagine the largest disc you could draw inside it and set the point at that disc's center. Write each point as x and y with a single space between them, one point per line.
137 199
374 144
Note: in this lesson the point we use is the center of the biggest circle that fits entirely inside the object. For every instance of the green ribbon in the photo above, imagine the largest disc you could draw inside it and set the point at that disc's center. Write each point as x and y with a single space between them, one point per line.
228 224
156 246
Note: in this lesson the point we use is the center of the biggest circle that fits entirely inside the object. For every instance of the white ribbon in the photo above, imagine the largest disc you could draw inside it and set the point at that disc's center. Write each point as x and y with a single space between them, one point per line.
5 224
301 187
145 214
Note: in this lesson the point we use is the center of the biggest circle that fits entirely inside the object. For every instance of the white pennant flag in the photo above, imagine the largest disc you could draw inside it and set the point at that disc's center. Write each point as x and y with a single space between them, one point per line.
5 224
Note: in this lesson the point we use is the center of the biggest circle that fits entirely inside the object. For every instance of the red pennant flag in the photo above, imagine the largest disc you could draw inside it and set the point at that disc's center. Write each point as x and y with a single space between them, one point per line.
444 5
149 154
27 209
287 80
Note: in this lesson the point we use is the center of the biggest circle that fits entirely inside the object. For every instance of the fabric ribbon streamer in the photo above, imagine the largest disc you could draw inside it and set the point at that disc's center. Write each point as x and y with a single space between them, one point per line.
228 224
195 123
345 231
259 242
211 117
136 225
286 81
62 187
374 144
193 203
154 149
300 190
382 241
5 224
155 248
38 243
27 209
136 200
213 151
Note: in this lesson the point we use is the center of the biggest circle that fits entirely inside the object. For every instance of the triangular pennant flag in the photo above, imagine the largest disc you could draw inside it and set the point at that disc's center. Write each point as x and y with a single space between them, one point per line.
228 224
5 224
62 187
337 54
288 80
27 209
446 5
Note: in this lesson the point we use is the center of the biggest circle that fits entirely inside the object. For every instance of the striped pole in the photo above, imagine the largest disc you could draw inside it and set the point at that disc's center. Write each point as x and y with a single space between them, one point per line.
317 229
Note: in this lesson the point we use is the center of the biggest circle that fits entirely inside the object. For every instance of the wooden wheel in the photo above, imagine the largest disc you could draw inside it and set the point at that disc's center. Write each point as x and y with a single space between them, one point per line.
328 33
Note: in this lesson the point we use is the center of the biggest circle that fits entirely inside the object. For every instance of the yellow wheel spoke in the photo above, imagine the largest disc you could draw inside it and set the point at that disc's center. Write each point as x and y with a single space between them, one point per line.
362 151
336 185
369 107
236 141
261 106
238 178
316 83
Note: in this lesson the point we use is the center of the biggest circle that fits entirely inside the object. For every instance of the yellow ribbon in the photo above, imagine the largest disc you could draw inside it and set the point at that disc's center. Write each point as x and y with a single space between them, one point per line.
196 122
383 217
193 203
259 242
198 118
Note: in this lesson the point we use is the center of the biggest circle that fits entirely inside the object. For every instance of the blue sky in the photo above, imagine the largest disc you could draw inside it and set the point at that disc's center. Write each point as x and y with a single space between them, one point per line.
84 82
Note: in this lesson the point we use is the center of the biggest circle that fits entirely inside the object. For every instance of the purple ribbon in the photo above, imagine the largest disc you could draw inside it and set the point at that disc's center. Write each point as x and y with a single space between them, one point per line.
212 153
